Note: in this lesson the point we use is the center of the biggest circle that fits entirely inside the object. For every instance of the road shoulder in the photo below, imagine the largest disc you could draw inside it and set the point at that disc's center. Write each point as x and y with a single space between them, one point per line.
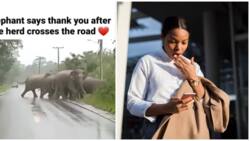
102 113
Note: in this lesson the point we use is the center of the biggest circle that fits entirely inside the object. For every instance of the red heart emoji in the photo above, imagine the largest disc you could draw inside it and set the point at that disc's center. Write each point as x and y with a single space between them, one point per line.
103 30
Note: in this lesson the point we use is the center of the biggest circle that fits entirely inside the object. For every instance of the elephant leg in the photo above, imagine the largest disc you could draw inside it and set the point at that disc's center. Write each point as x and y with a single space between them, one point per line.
55 94
58 92
62 93
65 94
73 94
34 93
82 92
43 92
24 92
81 95
70 96
41 96
50 94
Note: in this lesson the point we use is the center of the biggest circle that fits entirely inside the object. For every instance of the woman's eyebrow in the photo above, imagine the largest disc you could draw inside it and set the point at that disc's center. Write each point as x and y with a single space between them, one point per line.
177 39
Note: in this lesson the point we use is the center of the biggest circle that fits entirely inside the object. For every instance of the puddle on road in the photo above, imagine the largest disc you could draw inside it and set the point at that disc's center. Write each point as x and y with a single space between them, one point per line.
69 111
37 112
68 115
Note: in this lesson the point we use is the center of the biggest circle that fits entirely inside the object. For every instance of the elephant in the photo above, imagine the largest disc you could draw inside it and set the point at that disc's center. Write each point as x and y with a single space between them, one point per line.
35 82
69 83
91 84
48 86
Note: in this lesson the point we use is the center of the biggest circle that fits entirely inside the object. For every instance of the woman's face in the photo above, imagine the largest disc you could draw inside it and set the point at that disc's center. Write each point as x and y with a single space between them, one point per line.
176 42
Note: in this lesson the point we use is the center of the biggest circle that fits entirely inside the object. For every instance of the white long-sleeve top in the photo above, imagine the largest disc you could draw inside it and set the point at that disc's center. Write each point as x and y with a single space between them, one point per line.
155 79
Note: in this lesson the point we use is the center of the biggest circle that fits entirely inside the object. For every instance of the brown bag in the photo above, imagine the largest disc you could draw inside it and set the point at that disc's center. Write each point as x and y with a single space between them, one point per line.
193 123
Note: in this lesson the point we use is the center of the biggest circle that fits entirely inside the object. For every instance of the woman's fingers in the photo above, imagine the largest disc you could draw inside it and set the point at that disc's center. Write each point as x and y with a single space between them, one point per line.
192 60
176 100
183 60
179 66
174 97
180 63
177 60
182 104
187 68
185 106
186 100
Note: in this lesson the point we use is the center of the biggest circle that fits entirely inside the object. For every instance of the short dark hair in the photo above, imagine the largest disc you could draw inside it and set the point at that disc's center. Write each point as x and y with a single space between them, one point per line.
173 22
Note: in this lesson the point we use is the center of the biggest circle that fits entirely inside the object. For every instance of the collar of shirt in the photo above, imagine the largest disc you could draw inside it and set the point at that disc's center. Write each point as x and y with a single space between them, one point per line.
165 56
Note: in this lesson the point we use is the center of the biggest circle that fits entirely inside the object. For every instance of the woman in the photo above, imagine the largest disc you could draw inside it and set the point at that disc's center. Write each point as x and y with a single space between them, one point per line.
157 77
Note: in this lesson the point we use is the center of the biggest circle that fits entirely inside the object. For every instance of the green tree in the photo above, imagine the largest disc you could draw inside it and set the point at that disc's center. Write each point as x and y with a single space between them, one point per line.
87 61
74 62
90 59
14 74
8 55
104 97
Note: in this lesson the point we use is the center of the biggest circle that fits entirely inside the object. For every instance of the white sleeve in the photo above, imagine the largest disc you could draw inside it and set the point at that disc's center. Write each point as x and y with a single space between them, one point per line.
136 104
198 70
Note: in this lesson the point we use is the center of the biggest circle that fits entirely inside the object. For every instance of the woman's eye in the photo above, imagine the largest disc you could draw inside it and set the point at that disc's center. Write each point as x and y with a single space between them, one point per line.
172 41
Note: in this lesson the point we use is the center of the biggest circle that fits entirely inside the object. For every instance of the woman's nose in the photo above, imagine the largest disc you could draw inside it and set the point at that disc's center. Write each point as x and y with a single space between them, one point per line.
178 46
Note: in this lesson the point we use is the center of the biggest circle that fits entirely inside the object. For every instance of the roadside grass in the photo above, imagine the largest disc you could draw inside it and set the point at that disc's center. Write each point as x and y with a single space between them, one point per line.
103 98
100 103
3 88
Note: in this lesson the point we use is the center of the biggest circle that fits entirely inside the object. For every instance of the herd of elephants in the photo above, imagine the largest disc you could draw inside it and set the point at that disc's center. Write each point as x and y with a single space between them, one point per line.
66 84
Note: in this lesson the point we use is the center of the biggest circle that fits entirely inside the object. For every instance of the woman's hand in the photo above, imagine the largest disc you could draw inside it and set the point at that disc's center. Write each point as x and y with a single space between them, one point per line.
176 105
188 69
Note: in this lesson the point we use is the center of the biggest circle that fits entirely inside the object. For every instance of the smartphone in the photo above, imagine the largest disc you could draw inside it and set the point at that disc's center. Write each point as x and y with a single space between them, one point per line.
186 95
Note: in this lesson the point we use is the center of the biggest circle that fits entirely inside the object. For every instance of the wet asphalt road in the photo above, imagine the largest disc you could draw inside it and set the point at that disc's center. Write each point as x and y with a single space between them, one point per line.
29 118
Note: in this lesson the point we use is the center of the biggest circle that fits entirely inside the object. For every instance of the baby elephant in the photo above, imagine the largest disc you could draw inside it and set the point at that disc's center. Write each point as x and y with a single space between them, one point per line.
36 82
91 84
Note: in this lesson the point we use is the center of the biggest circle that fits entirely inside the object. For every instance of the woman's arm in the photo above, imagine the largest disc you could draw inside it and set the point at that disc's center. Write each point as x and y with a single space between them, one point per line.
175 105
197 87
136 103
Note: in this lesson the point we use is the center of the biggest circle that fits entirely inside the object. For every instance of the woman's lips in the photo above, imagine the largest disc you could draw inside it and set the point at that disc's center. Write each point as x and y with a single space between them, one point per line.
176 54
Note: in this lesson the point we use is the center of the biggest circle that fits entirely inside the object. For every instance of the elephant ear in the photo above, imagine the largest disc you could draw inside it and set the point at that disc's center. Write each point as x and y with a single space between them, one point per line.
74 75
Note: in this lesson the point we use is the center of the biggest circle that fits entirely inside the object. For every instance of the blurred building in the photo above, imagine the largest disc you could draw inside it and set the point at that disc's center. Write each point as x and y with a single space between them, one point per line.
219 42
